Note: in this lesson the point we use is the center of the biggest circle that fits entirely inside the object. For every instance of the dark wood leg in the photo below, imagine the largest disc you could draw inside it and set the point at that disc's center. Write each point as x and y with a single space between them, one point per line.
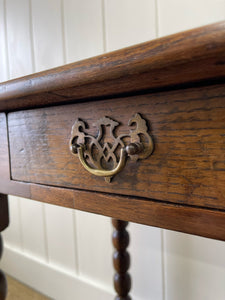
121 260
4 221
3 282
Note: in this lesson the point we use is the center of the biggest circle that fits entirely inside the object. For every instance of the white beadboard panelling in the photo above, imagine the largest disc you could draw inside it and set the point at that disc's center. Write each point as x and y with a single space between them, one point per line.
178 15
60 237
83 28
95 248
19 37
33 229
194 267
47 34
12 235
146 262
49 280
129 22
3 46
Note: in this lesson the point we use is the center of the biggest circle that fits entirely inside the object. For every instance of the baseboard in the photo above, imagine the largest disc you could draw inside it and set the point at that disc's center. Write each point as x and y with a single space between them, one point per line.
49 280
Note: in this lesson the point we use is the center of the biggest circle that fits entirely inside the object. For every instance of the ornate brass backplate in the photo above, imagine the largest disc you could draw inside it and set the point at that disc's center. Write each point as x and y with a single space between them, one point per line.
106 154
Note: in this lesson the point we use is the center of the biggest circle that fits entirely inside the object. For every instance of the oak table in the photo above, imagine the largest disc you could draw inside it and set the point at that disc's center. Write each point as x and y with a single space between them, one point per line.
137 135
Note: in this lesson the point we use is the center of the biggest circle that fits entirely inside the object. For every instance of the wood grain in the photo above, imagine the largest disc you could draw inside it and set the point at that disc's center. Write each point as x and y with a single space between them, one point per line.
188 163
6 185
186 57
194 220
4 155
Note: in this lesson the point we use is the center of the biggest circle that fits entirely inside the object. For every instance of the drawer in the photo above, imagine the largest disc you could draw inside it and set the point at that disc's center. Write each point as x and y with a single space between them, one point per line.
186 167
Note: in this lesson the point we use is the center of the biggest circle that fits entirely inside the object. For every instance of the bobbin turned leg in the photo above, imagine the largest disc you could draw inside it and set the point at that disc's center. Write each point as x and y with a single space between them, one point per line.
3 282
4 221
121 260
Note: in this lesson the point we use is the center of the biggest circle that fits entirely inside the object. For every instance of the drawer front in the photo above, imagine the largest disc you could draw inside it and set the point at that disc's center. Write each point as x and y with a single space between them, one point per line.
4 156
186 167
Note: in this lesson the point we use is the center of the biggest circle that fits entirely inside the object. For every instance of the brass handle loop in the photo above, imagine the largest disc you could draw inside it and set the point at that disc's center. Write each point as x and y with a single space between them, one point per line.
103 173
92 151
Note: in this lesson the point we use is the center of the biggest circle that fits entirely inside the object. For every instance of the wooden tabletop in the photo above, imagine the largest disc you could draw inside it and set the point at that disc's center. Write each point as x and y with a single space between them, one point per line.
188 57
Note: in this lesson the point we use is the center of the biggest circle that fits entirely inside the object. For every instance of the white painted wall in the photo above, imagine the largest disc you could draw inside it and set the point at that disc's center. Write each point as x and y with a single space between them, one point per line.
74 261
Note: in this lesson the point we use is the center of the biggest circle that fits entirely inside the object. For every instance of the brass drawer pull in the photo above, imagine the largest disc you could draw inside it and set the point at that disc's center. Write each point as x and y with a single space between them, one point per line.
106 154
